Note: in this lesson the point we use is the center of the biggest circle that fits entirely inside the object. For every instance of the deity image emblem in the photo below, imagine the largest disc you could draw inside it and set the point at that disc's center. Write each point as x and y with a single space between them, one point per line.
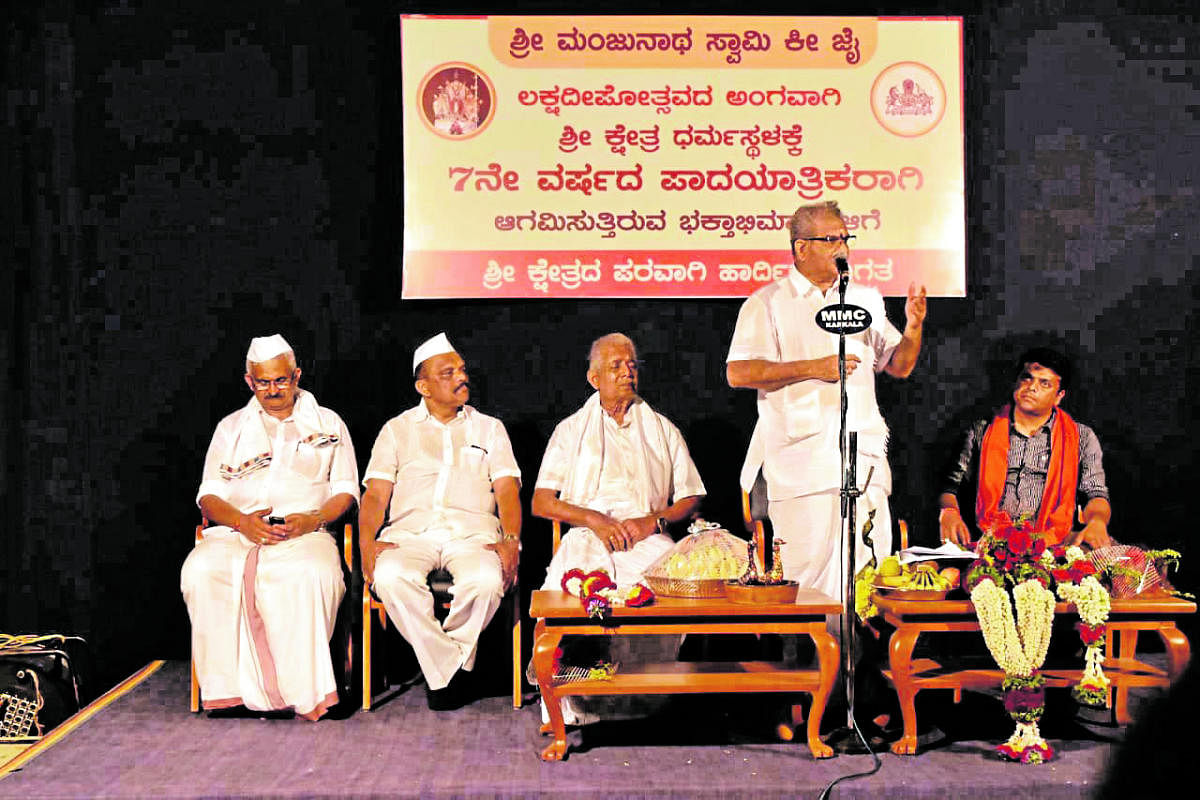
456 100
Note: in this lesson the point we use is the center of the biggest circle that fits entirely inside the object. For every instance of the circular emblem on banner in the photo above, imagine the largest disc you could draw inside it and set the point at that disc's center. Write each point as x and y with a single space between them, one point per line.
843 318
456 100
908 99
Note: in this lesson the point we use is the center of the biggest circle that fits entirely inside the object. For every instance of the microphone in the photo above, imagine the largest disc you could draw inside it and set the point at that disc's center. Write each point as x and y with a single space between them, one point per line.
843 267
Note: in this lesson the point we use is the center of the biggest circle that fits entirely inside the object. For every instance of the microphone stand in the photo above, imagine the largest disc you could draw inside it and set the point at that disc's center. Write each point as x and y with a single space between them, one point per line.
847 739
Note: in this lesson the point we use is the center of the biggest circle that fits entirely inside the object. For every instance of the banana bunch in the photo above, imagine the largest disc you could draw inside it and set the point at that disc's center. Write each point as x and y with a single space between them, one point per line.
923 576
926 577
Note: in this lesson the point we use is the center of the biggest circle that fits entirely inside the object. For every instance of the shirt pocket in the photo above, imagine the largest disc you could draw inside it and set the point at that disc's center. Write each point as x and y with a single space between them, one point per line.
472 459
802 416
312 459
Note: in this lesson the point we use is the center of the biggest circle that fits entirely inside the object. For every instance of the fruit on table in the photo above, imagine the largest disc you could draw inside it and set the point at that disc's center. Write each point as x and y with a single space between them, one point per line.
926 579
890 567
704 563
952 576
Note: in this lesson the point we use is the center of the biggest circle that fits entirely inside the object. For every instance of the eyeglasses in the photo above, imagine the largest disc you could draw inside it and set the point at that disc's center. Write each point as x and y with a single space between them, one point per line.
832 238
262 385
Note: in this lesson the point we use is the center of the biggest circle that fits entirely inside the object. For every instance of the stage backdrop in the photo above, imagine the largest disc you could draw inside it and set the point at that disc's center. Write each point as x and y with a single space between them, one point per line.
663 156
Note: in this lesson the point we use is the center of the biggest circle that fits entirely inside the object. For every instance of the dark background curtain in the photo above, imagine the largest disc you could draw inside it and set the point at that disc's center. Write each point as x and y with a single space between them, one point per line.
180 176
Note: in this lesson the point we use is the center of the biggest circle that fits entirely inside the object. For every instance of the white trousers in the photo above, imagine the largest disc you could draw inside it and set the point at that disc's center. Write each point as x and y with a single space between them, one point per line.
400 582
582 549
811 529
262 618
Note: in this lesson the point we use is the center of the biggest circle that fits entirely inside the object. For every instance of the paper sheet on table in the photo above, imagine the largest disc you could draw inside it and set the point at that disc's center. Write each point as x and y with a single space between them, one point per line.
947 550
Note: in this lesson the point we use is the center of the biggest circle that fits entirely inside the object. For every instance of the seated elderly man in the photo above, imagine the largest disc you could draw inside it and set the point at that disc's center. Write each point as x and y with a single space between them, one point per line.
620 474
438 471
617 471
1032 461
263 585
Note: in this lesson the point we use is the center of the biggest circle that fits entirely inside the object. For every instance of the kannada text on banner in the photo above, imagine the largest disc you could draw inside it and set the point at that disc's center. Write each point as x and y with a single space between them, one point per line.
662 156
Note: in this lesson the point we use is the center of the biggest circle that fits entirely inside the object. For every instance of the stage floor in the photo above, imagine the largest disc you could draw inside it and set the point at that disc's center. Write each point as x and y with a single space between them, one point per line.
147 744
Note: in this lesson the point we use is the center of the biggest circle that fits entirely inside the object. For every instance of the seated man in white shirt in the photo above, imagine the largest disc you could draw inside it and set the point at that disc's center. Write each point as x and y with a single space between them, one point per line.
617 472
437 474
263 585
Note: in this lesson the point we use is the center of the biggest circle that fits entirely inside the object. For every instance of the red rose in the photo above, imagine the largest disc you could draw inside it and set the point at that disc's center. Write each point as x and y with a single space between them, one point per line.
1019 542
1090 634
1039 547
1081 569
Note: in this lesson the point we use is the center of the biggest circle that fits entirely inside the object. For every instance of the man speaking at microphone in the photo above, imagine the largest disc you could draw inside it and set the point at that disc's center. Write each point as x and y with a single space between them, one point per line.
779 349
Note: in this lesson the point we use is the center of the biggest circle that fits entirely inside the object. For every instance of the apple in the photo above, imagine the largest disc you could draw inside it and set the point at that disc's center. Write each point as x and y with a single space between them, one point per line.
952 575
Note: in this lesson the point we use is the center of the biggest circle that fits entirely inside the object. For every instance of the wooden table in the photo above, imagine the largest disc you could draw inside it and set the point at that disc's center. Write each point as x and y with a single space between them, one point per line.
559 614
1128 617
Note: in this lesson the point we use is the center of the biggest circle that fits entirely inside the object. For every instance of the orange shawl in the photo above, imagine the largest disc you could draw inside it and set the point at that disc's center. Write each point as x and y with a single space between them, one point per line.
1062 476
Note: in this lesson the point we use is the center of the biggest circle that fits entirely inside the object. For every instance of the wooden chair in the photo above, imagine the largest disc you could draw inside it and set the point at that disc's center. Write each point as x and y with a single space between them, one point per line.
439 583
347 550
754 514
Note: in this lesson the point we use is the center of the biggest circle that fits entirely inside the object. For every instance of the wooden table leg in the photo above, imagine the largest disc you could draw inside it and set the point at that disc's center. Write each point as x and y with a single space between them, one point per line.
900 650
1126 649
828 657
545 644
1179 652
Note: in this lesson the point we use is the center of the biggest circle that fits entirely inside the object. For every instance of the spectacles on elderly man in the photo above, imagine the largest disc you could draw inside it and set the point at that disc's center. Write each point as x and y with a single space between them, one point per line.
262 384
832 238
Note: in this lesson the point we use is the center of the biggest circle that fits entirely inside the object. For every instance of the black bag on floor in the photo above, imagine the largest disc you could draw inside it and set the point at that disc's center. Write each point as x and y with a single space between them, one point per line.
43 680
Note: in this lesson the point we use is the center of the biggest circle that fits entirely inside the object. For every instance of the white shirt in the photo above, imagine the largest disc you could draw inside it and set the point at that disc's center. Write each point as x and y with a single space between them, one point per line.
796 438
290 466
442 473
616 453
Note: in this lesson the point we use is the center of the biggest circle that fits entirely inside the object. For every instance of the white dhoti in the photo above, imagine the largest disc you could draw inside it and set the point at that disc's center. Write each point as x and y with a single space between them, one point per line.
811 529
262 618
582 549
400 582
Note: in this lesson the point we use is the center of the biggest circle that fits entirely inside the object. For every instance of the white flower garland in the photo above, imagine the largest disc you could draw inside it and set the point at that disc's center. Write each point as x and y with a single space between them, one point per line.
1018 646
1093 603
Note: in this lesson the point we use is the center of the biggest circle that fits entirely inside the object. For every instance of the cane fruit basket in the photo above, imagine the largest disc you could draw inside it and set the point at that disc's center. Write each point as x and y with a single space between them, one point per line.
699 564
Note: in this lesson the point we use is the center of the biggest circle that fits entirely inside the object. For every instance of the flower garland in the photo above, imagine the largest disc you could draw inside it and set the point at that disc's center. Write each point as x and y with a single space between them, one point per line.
598 593
1012 555
1078 585
1019 648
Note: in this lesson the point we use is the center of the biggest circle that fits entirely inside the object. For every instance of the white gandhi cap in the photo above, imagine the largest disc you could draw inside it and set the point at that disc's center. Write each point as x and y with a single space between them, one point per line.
264 348
434 346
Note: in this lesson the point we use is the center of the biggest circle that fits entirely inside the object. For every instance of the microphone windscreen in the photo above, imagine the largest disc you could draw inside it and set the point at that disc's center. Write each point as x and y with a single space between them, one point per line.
843 266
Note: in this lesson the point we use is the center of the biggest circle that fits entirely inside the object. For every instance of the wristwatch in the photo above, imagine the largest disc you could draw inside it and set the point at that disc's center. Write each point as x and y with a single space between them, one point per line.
511 537
662 525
